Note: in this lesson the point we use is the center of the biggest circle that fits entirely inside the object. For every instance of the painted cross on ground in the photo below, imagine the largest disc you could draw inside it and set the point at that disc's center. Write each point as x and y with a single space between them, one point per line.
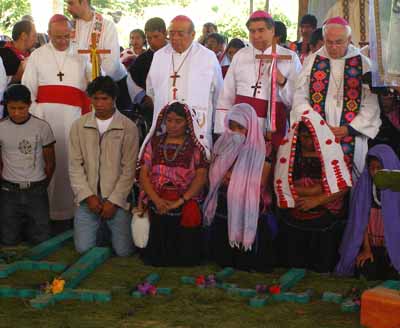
31 260
72 276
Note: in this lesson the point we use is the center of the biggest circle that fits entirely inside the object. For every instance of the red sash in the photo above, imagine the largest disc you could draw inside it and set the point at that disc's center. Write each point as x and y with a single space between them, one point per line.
60 94
261 107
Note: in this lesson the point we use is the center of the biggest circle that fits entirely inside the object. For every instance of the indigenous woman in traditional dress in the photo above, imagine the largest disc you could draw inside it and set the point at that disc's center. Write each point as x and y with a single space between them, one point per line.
173 175
236 207
311 179
371 243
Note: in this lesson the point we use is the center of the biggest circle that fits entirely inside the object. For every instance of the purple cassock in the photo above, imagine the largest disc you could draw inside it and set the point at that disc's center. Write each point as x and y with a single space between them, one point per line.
359 215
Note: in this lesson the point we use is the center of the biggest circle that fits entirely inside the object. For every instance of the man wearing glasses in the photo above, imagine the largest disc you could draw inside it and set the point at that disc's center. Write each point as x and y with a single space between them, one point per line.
331 83
187 72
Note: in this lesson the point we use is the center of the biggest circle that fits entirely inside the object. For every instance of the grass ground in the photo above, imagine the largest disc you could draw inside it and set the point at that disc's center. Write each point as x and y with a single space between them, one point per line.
188 306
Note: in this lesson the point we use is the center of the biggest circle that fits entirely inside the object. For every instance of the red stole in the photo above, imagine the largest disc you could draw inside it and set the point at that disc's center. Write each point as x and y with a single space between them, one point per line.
66 95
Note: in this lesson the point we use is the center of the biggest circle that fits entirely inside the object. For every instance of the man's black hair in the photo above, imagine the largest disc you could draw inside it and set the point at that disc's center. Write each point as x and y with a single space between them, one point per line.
281 31
268 21
310 20
217 37
17 92
316 36
235 43
21 27
103 84
155 24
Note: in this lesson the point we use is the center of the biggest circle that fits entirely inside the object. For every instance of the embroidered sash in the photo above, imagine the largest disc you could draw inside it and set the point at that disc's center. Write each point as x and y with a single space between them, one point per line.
97 28
319 84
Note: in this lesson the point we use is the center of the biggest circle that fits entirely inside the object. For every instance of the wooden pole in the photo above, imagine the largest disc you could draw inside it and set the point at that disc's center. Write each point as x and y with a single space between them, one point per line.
303 9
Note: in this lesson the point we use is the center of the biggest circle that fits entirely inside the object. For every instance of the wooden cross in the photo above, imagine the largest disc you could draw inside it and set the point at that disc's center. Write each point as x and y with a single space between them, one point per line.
60 75
174 77
256 87
272 102
273 52
94 55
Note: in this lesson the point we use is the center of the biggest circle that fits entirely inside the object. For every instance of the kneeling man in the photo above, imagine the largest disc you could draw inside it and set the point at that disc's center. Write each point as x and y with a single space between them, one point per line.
103 149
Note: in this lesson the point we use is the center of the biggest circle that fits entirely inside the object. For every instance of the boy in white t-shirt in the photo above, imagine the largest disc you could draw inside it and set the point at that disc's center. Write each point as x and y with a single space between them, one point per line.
27 163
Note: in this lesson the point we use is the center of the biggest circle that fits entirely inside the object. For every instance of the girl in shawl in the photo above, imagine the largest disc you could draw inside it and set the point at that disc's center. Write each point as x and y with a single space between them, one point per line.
237 195
173 175
311 179
371 243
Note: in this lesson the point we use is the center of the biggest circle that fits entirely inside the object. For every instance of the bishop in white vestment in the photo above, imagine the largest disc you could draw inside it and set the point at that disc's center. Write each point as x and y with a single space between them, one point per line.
331 83
249 79
187 72
57 78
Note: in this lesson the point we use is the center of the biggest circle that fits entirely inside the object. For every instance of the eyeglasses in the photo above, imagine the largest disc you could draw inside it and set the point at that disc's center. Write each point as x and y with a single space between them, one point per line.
335 43
61 38
180 34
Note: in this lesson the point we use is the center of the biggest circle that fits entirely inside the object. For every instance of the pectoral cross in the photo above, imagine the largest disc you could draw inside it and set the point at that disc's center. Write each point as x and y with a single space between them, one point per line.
174 77
60 76
256 87
94 55
339 98
274 58
174 88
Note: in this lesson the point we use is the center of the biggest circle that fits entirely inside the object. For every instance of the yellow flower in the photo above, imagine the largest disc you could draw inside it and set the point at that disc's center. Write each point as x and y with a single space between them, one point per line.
57 286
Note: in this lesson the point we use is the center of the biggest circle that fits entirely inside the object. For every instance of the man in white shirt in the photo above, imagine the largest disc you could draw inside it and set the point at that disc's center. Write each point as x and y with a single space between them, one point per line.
187 72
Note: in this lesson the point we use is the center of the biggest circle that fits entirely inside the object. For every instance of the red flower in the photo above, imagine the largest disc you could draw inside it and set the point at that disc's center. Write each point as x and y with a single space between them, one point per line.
335 162
328 142
152 290
283 160
200 280
322 122
274 289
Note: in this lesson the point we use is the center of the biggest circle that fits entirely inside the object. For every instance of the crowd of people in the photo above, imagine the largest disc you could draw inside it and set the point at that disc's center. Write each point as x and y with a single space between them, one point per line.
252 154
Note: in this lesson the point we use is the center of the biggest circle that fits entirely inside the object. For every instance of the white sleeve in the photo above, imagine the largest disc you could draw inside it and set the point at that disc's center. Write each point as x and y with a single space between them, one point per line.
226 98
218 83
133 88
3 85
30 79
149 84
111 63
367 121
286 92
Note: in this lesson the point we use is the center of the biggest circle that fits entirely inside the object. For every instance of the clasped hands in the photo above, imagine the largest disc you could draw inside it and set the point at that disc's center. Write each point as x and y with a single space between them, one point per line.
105 208
164 206
340 132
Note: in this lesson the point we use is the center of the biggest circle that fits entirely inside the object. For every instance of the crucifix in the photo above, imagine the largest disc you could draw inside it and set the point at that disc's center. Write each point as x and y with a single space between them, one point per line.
256 87
273 57
174 88
60 75
94 55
